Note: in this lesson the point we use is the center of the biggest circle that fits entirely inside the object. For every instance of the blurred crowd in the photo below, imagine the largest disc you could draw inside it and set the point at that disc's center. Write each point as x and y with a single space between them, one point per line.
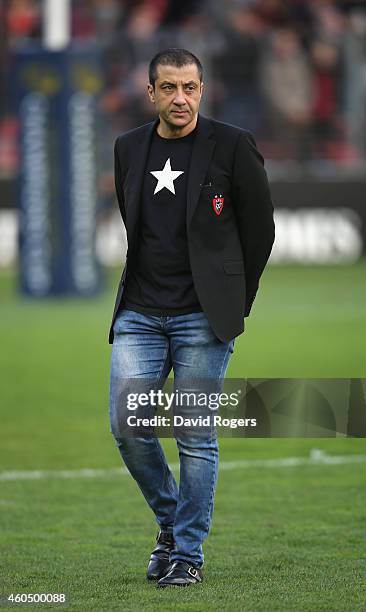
291 71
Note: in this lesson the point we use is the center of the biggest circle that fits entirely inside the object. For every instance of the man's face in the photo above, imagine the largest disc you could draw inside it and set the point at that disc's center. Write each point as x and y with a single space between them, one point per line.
176 95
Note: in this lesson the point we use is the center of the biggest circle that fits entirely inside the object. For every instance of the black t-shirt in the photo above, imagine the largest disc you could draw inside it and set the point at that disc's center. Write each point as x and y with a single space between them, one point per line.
159 279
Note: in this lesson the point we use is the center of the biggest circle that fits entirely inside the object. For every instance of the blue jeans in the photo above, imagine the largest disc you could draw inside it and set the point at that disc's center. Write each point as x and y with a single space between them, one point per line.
148 347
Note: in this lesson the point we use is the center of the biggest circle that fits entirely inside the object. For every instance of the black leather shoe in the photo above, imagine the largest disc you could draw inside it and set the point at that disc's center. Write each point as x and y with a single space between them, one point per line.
159 560
181 574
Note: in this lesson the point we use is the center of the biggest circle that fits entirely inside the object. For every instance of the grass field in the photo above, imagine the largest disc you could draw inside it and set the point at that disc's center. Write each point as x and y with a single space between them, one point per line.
284 536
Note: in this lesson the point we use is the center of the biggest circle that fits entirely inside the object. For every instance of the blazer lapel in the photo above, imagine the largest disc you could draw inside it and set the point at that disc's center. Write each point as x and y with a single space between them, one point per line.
136 178
203 148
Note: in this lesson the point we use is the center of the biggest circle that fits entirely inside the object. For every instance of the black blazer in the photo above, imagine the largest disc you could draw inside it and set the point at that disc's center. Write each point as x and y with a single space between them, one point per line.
228 251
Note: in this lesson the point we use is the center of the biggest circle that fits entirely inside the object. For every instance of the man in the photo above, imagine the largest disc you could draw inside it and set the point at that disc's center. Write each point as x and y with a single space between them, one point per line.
195 201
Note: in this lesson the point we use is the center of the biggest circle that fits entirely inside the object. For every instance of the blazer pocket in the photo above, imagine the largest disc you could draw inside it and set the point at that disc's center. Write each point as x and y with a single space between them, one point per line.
234 267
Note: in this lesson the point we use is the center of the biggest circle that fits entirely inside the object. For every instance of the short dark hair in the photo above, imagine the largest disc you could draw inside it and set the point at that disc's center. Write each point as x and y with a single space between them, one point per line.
173 57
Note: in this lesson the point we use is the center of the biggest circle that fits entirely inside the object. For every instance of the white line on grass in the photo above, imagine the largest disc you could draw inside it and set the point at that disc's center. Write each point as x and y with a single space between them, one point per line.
316 457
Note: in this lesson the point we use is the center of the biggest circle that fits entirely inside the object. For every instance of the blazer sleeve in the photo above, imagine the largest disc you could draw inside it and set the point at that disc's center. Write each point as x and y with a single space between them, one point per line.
254 212
118 181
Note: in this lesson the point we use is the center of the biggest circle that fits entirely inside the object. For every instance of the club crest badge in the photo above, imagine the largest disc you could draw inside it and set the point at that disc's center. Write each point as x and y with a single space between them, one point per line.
218 204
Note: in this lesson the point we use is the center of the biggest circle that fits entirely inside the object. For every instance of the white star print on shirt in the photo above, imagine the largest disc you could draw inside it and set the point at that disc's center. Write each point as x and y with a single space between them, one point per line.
166 177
